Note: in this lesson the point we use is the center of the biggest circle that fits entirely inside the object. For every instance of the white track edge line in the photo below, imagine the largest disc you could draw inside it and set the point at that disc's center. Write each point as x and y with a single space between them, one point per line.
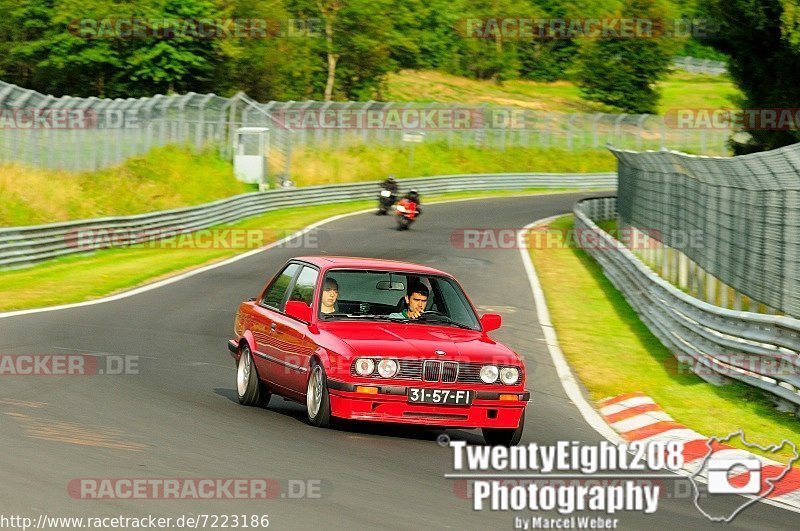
568 381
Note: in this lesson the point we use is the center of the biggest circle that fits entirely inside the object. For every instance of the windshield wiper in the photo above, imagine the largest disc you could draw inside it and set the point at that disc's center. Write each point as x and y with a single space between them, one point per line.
366 316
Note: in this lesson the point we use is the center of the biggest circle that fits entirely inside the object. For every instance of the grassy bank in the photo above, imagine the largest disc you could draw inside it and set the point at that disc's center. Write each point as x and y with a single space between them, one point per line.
360 163
174 176
612 352
679 89
167 177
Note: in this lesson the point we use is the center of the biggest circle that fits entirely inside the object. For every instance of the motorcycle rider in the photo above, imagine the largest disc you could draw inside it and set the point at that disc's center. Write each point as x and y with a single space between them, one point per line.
390 184
414 197
385 201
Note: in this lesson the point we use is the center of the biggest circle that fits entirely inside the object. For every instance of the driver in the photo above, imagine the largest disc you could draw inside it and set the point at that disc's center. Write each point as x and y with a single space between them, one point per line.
330 292
416 300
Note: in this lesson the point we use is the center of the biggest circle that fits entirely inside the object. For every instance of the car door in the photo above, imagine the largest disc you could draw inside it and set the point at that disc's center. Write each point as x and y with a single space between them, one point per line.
293 346
267 310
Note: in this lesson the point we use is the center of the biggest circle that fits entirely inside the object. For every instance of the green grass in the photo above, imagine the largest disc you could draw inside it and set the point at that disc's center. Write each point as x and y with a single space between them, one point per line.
612 352
678 90
434 86
165 178
89 276
369 163
683 90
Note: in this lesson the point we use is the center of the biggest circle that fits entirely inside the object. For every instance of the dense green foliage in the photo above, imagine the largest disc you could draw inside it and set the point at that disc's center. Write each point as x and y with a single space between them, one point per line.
79 47
623 72
762 38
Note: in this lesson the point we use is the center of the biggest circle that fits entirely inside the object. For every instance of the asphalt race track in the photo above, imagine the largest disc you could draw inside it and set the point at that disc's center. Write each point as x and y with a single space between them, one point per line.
179 416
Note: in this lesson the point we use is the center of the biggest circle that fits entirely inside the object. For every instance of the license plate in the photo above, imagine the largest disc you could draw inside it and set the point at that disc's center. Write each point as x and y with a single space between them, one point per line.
440 397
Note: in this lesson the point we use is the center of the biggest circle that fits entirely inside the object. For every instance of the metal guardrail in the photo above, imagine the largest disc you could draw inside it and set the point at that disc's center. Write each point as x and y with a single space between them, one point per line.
760 350
21 246
699 66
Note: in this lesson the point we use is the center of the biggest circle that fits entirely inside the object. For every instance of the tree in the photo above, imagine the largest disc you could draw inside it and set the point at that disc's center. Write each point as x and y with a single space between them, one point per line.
623 71
355 47
762 38
329 9
76 47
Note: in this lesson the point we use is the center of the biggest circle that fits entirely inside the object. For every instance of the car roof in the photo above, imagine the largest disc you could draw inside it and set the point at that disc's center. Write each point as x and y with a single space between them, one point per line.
342 262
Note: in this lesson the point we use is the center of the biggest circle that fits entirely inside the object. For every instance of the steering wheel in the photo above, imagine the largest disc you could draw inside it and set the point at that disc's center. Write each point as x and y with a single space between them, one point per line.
434 312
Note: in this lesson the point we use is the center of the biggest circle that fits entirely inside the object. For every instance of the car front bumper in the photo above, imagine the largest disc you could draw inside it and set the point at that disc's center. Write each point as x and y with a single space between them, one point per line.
391 404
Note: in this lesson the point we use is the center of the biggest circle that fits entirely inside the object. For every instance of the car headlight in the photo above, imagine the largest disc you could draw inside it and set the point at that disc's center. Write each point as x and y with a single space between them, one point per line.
509 375
387 368
489 373
364 366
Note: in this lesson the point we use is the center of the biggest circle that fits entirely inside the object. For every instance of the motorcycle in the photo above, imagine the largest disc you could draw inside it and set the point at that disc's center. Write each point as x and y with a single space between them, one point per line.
385 202
406 211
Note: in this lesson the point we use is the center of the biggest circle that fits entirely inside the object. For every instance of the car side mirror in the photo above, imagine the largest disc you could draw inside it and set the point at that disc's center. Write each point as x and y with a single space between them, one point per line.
491 321
299 310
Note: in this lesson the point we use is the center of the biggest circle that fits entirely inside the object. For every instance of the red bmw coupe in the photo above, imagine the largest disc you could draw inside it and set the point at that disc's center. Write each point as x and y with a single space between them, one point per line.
378 340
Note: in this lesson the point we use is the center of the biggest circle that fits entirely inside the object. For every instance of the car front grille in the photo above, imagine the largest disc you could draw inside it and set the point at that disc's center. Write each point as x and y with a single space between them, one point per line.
433 371
449 371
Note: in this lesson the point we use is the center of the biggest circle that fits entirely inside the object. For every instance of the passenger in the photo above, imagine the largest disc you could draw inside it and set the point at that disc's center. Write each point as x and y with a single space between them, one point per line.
330 292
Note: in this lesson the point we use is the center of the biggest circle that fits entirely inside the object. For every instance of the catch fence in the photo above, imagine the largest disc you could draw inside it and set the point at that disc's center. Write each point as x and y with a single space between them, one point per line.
735 218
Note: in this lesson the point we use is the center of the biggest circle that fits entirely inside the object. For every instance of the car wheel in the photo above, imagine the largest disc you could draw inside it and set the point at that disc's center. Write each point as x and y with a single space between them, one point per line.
318 403
251 391
504 436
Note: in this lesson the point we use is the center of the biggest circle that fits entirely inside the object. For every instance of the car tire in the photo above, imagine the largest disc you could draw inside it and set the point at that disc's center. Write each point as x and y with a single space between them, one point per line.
318 401
504 436
249 388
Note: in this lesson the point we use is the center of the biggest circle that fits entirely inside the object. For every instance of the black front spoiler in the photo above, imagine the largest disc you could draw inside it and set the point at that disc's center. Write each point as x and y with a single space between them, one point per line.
233 346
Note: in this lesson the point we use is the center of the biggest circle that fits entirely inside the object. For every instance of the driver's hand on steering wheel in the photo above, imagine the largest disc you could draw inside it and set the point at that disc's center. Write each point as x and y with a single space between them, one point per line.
414 314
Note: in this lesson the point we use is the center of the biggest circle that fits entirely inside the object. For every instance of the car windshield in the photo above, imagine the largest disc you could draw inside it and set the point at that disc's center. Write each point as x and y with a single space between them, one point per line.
382 295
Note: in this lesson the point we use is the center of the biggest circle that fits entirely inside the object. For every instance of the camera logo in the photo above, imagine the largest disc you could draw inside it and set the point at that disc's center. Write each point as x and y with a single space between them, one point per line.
722 471
727 470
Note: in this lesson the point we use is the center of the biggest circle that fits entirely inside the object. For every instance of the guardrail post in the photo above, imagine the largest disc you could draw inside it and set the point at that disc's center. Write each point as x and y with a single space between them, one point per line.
683 270
723 295
711 288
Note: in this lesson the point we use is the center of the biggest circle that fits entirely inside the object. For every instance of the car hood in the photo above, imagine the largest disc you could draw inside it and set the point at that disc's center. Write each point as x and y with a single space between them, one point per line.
419 341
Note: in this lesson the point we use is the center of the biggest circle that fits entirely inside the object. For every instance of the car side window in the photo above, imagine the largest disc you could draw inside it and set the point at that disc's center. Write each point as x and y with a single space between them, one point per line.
276 292
303 289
